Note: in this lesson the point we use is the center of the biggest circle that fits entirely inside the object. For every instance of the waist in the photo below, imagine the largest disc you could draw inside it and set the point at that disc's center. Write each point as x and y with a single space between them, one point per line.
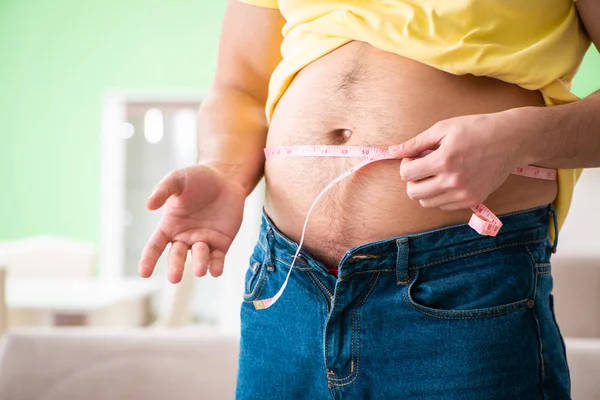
423 249
361 96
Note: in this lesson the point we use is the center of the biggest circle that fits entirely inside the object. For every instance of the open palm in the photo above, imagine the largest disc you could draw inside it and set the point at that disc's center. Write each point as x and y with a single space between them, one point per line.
203 212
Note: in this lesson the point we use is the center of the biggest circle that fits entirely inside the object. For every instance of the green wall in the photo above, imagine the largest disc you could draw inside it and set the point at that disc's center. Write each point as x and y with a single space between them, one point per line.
57 58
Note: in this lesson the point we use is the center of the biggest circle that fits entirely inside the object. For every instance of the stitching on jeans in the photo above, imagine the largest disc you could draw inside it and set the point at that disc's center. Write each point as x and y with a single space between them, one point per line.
312 278
255 274
472 314
281 261
261 276
296 266
518 307
541 348
353 334
466 314
362 257
262 246
259 293
475 252
251 295
545 267
365 272
326 335
531 256
303 267
399 244
335 393
357 311
320 283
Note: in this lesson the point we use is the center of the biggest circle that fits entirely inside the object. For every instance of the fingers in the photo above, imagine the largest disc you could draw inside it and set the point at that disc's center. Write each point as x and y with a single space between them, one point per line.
427 140
176 263
200 258
440 200
412 170
170 185
217 261
152 252
452 200
459 205
425 188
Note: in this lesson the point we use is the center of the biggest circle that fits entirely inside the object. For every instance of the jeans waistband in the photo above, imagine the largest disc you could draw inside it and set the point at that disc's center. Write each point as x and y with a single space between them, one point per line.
416 250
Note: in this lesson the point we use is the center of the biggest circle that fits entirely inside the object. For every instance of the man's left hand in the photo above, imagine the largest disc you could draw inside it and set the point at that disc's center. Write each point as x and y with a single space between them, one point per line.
471 157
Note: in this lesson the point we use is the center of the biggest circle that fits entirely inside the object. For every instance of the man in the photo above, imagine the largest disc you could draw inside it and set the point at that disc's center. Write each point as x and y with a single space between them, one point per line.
393 295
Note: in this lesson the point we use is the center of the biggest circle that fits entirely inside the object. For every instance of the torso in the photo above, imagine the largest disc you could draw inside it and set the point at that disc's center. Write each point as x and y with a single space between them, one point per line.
358 95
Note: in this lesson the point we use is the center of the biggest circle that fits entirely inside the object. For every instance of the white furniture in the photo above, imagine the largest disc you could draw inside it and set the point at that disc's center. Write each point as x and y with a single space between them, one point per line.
79 301
48 257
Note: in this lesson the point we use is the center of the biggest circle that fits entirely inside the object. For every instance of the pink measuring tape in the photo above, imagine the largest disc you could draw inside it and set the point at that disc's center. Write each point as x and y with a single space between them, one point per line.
483 219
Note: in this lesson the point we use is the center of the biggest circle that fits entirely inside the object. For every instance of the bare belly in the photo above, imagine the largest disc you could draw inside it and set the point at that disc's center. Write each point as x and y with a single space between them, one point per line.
361 96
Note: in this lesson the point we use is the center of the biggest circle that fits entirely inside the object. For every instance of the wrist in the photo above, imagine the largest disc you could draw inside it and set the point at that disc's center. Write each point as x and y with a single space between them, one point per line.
236 173
530 125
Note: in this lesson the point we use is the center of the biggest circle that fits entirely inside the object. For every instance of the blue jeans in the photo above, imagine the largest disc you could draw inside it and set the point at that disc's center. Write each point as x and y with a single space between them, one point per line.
445 314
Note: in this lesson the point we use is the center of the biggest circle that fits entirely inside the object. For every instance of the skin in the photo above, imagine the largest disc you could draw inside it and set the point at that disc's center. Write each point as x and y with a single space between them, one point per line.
230 164
203 204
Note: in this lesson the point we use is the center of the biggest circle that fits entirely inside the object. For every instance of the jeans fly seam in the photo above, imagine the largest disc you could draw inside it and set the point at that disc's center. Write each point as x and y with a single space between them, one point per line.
352 341
475 252
325 338
319 284
357 311
327 300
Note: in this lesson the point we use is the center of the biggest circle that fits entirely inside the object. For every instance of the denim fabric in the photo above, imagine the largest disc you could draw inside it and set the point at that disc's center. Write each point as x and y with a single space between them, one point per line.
446 314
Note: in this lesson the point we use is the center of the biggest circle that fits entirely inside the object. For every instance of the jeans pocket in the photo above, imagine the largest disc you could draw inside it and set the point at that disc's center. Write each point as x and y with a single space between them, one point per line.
252 278
485 283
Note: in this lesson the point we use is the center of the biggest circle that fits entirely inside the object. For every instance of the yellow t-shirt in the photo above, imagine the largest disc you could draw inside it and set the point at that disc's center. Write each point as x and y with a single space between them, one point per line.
536 44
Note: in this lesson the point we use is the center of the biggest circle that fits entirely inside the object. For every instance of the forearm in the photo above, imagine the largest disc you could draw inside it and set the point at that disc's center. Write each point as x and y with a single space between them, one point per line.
232 131
565 136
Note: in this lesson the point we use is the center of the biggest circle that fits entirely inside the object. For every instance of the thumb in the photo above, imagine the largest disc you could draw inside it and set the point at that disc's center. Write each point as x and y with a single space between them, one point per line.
414 147
170 185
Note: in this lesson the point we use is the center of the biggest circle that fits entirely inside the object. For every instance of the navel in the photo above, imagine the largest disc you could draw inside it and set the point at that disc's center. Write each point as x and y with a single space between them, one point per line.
341 135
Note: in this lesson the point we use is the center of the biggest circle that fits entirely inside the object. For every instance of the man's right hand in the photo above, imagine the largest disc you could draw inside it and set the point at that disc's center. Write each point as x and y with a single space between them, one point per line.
203 212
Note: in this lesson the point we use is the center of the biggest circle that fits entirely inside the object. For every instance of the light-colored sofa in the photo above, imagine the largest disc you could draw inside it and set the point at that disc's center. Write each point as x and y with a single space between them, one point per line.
132 364
577 307
170 364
